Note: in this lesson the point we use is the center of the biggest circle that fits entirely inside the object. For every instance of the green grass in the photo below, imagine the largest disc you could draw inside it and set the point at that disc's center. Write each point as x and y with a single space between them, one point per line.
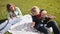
52 7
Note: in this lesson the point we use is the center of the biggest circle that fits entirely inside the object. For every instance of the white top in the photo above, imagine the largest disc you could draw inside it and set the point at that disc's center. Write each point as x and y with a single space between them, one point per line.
17 12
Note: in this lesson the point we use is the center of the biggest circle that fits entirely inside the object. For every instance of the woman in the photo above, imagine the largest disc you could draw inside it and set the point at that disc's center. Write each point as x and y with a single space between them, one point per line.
41 21
14 16
13 11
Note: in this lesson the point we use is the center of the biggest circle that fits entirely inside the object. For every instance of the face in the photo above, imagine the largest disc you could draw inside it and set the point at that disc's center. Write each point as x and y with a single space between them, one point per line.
43 13
12 8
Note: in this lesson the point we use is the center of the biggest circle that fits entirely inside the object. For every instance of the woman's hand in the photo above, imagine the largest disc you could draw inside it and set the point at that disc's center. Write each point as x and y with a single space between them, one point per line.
9 18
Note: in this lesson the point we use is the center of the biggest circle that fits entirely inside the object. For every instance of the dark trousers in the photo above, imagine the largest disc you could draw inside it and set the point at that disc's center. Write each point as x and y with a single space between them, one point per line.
54 26
42 29
45 30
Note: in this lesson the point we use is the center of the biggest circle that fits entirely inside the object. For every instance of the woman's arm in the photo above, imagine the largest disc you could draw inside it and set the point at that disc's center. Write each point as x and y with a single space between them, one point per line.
9 17
52 17
19 12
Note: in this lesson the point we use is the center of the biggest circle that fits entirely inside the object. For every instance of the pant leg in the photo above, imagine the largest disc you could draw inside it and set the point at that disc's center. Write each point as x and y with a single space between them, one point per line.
3 24
44 30
11 22
54 26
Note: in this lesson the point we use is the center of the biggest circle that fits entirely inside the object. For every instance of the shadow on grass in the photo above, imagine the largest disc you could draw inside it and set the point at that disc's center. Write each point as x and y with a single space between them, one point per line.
1 21
8 33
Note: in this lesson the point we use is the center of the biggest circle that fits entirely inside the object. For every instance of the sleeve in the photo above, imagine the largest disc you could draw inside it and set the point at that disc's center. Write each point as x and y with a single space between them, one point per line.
47 18
33 19
19 12
9 16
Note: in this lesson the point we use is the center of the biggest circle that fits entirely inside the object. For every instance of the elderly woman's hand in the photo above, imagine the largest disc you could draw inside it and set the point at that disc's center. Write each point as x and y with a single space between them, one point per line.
52 17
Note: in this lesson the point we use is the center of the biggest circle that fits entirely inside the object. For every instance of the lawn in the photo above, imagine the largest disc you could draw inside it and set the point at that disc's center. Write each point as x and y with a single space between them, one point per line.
51 6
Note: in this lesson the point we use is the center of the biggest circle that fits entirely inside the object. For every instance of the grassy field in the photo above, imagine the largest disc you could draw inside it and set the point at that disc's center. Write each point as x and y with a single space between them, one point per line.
52 7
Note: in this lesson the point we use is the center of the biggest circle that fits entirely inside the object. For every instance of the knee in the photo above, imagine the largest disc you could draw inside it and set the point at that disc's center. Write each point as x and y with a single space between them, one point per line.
52 22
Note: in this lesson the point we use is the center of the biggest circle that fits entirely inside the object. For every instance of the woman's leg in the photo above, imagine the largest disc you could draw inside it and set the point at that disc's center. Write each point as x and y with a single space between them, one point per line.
3 24
54 26
45 30
10 23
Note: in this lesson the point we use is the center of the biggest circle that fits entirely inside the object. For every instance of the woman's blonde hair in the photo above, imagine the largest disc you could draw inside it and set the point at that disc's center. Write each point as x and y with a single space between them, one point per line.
35 8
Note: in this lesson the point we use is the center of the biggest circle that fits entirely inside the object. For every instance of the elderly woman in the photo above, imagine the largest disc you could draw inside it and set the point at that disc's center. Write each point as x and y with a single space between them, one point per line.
14 16
41 21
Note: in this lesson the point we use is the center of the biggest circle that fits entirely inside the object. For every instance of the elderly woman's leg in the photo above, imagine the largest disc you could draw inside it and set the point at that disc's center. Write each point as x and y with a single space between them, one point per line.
54 26
45 30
